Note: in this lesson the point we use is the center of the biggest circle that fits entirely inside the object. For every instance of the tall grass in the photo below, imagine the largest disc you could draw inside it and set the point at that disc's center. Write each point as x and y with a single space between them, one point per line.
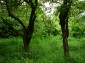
42 50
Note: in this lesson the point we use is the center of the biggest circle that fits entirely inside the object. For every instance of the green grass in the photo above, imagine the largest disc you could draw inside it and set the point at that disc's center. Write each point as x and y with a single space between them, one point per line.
42 50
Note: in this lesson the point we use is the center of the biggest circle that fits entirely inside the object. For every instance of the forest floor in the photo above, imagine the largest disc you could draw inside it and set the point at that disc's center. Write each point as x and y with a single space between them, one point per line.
42 50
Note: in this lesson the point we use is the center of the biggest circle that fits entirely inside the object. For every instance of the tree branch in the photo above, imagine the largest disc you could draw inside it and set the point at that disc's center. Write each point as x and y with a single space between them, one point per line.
13 16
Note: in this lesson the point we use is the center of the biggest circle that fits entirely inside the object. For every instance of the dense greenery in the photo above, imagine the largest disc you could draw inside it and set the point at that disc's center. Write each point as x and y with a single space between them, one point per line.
42 50
31 32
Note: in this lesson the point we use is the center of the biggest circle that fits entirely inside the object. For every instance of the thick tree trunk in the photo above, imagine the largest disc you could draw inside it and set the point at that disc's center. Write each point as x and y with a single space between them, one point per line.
27 39
27 35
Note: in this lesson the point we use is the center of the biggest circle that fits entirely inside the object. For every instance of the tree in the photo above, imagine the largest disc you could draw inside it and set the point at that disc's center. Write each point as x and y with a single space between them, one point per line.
64 24
27 30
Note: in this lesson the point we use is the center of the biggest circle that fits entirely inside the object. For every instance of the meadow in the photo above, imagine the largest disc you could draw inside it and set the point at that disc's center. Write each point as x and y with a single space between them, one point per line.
41 50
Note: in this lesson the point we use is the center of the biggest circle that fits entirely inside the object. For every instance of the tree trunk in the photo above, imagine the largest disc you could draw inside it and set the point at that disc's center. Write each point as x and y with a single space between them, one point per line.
27 39
64 24
65 42
65 33
27 35
30 29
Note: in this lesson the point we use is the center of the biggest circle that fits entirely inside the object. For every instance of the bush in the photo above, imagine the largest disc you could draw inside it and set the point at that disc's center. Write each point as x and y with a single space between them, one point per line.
78 31
7 29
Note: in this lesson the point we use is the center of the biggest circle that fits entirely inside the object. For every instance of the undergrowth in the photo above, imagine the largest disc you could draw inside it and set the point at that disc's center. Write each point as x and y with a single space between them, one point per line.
42 50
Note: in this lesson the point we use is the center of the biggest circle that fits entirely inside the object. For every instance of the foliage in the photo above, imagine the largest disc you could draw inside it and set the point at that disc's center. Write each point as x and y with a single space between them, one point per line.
7 28
76 20
78 31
